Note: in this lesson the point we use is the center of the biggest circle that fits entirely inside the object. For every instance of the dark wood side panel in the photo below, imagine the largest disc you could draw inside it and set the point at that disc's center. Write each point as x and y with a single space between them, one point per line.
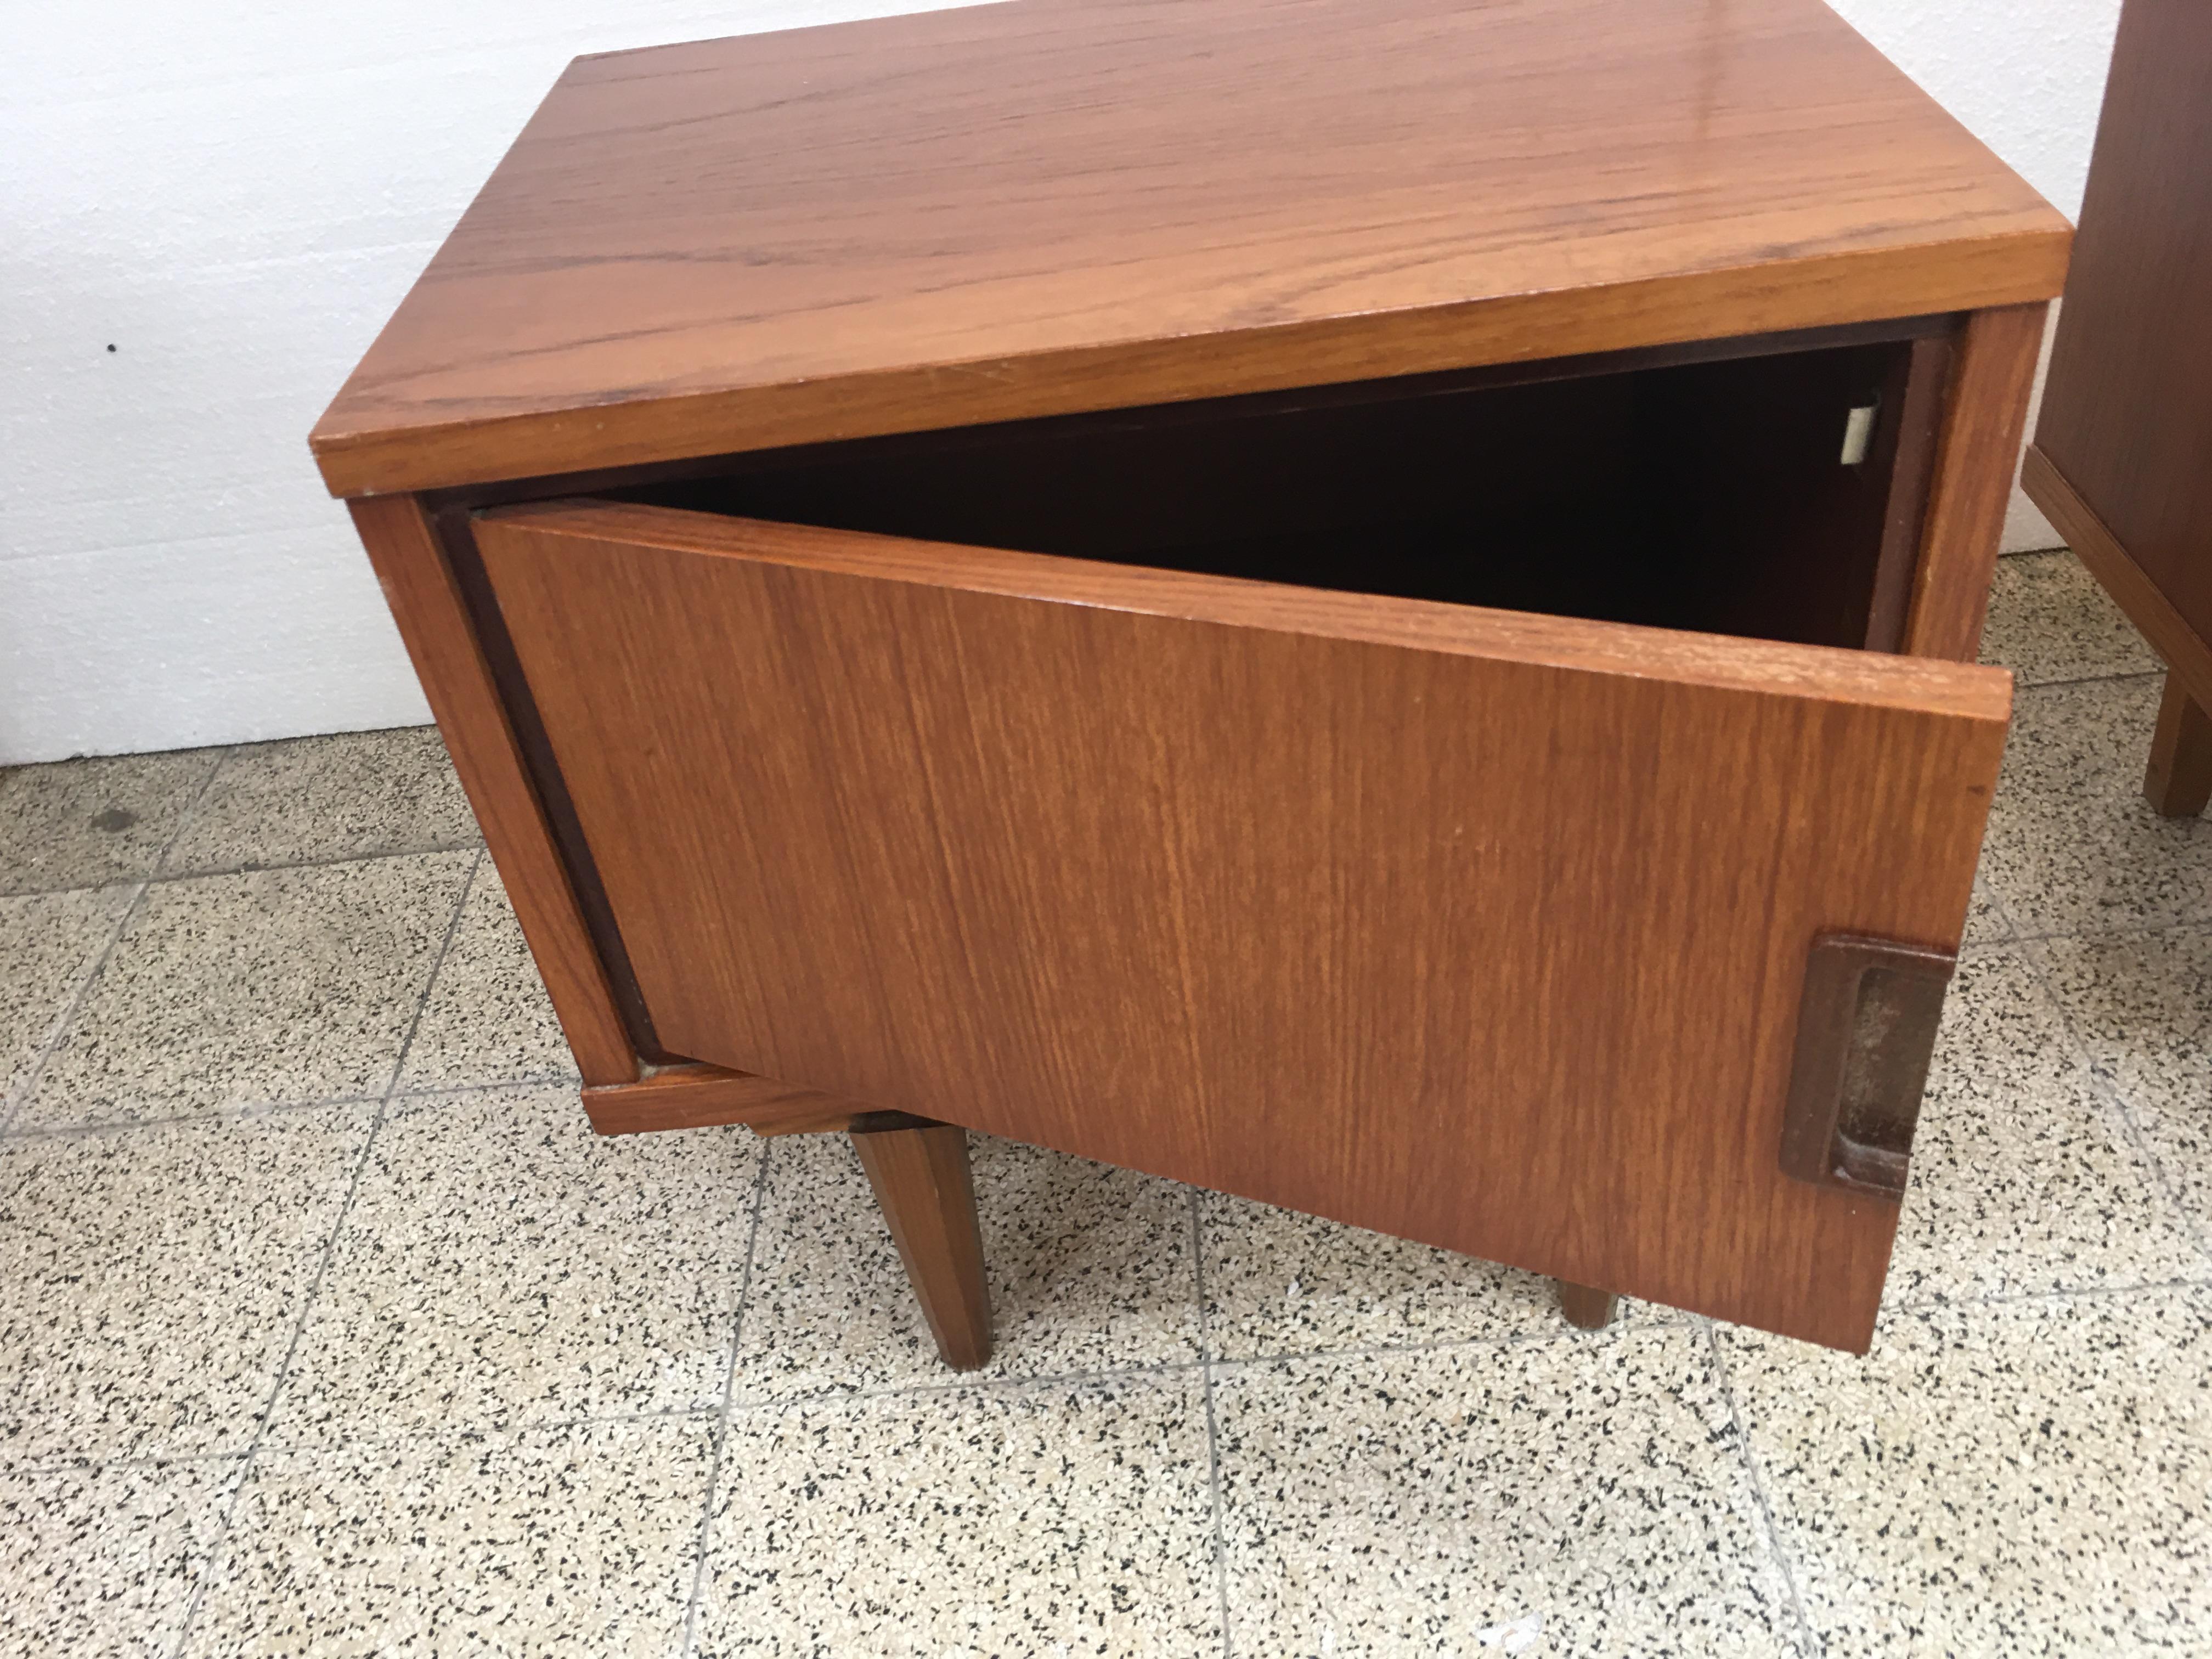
2187 650
434 620
1480 928
2127 416
1984 415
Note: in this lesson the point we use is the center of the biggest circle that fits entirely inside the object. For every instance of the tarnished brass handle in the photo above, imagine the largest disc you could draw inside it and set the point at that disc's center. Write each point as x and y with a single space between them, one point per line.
1866 1031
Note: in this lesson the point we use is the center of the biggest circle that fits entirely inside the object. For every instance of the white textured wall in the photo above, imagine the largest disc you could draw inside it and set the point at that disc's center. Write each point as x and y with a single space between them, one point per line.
2027 77
235 194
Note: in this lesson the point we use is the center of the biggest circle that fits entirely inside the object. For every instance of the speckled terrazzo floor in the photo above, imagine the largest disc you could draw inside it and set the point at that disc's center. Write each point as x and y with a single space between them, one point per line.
325 1326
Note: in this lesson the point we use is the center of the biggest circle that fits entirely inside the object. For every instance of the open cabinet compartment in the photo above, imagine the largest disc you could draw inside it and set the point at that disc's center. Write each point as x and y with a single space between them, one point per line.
1711 495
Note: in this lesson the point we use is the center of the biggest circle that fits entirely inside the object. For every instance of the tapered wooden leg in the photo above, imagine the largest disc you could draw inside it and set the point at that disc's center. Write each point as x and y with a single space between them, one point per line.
920 1173
1591 1309
2179 782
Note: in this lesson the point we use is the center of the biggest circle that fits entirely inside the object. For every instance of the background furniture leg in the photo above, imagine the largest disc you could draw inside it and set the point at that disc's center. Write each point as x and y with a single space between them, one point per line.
920 1174
2179 782
1591 1309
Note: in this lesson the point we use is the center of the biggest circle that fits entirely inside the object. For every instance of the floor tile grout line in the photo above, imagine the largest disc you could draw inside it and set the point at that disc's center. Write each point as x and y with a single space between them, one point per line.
2108 1091
967 1382
2024 685
1550 1329
191 813
22 1094
218 1548
219 1545
170 878
430 982
379 855
441 1433
1197 1200
2009 928
2067 1293
257 1108
249 1113
1748 1458
28 1085
142 1460
2133 1130
1213 1421
2119 935
416 1436
65 888
430 1091
260 1108
722 1417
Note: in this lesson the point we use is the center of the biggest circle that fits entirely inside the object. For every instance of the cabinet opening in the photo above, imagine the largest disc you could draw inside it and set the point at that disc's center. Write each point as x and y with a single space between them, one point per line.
1775 497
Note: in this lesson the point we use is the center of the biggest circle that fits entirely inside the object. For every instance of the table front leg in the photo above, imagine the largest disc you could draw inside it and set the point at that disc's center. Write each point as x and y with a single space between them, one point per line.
920 1174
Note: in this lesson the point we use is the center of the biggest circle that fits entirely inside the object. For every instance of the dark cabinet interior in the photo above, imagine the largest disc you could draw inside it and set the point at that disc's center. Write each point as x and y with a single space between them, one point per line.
1715 495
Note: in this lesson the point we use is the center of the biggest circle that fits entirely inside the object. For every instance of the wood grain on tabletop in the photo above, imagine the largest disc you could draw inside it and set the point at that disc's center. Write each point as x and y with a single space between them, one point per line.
1000 211
1480 928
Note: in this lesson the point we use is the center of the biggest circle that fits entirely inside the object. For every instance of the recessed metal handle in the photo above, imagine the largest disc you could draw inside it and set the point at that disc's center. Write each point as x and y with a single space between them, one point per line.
1865 1032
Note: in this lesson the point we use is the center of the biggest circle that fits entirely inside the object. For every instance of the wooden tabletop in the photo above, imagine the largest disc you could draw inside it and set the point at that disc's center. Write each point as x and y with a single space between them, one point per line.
1048 205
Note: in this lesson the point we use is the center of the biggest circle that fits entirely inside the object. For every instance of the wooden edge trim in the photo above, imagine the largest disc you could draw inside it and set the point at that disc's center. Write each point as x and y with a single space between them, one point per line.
1984 420
1077 425
1918 423
703 1097
2188 655
361 453
1721 661
426 602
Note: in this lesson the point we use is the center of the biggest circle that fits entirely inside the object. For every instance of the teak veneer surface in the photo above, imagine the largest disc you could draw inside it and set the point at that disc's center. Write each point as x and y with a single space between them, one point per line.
1031 207
1480 928
478 730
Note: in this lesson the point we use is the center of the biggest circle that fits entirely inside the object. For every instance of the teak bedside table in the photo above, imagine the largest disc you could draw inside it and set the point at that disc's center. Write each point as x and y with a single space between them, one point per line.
1369 605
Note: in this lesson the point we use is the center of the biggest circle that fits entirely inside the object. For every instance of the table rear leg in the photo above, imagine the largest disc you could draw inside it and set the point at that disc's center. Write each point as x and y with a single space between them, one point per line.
1591 1309
2178 781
